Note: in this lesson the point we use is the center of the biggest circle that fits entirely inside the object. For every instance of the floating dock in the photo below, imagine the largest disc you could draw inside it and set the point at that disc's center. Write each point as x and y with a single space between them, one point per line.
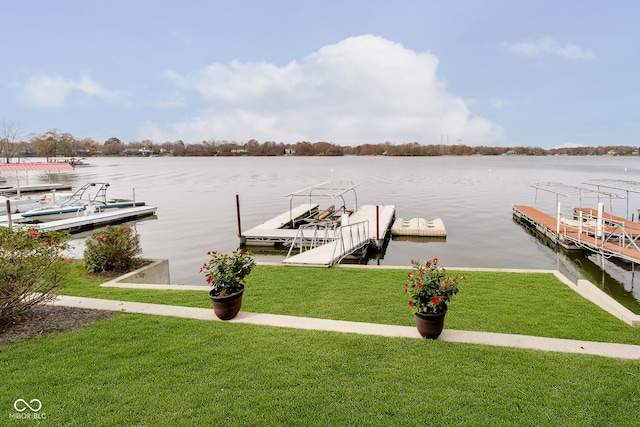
419 227
80 223
322 237
367 227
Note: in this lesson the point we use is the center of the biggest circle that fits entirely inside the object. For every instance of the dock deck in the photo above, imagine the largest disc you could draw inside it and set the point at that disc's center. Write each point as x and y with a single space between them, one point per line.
87 221
360 233
278 230
606 236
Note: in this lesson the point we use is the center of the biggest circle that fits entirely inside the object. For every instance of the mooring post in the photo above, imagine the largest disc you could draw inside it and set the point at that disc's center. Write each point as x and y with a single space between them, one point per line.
9 213
377 223
238 214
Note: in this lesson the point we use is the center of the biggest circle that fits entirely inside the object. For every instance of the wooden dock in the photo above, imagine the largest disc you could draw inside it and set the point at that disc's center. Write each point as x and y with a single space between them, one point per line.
607 235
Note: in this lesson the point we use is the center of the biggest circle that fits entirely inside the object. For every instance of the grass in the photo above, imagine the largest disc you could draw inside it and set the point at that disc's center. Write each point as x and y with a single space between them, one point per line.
517 303
157 371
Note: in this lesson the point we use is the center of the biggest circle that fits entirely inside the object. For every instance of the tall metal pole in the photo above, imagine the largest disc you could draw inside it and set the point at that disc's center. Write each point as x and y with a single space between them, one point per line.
238 214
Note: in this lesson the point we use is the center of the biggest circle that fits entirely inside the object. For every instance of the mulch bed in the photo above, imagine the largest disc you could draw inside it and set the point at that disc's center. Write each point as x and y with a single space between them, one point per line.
47 319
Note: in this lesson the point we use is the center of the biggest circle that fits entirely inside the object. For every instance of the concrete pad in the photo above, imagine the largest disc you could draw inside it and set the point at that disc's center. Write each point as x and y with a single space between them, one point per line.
620 351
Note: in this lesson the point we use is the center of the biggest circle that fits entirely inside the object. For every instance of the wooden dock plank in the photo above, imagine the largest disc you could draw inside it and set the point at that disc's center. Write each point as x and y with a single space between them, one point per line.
569 234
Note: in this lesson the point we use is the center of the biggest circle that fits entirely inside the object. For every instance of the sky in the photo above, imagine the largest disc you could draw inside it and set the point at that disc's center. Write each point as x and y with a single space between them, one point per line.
539 73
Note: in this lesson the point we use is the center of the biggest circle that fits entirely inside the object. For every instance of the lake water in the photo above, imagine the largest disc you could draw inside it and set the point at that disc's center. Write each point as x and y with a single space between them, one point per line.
472 195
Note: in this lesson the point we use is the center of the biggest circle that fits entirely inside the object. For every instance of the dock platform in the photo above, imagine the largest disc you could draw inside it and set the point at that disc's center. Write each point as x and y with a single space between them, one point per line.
279 229
361 232
605 235
84 222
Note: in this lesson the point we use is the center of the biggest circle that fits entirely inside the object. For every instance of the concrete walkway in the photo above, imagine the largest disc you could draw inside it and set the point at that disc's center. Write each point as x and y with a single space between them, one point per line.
620 351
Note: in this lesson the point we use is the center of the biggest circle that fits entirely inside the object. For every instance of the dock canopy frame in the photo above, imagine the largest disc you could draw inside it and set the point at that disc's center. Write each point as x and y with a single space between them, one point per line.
325 190
572 191
616 184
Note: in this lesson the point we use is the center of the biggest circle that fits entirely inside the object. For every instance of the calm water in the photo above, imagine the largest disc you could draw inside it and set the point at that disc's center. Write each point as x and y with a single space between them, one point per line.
472 195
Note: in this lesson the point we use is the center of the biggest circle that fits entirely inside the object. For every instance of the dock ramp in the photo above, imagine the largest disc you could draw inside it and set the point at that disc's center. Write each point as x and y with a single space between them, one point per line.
330 246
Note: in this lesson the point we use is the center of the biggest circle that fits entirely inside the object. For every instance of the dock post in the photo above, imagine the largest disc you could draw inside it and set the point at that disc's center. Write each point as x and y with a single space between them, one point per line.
377 223
238 215
599 220
9 212
558 223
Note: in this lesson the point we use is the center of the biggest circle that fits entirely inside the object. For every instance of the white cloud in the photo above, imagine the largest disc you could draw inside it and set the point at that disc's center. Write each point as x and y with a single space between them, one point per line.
548 45
41 90
361 90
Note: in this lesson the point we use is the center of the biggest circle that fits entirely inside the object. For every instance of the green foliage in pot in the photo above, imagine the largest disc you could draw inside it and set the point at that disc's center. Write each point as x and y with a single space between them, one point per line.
225 273
430 287
31 269
112 249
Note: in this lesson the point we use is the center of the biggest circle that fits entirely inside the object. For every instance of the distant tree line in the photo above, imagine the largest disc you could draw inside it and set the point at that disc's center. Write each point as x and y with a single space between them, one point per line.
55 143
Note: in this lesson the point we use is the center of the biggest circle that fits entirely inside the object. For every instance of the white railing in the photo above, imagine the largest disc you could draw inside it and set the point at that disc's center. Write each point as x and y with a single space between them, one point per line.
345 239
350 238
597 232
312 235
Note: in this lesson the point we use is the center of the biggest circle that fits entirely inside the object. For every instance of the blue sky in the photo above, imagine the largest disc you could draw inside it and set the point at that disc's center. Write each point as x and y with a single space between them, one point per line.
499 73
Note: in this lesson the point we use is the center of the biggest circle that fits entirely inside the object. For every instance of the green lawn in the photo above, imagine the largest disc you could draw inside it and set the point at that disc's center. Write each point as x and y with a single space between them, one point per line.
517 303
158 371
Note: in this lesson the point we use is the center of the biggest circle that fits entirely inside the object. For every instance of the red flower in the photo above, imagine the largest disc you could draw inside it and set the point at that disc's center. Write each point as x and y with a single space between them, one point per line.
435 260
48 240
33 233
447 286
409 274
209 280
65 261
411 303
419 284
436 300
428 263
413 261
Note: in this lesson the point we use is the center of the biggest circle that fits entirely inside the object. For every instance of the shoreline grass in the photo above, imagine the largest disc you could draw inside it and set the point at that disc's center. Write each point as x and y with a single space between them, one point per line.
515 303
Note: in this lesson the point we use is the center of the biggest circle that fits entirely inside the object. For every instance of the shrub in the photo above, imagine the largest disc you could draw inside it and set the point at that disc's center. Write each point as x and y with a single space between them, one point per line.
112 249
31 269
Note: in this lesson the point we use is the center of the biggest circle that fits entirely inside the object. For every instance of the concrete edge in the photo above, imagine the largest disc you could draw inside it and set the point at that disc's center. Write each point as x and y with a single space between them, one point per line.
611 350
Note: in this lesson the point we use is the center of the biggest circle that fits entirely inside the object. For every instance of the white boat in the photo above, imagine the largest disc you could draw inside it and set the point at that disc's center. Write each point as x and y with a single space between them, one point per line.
90 199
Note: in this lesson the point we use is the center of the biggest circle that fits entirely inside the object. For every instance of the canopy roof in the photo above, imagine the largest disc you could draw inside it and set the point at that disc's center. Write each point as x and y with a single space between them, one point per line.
27 167
573 191
326 190
616 184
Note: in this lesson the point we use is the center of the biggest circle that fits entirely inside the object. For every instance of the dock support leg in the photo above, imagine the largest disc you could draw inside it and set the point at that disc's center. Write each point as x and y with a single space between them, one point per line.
239 223
377 223
9 213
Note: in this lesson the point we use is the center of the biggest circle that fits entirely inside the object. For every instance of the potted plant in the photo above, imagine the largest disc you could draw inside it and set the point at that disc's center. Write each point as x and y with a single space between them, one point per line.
225 273
430 289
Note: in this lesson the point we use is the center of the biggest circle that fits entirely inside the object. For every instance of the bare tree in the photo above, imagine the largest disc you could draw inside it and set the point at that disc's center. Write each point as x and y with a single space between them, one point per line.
9 144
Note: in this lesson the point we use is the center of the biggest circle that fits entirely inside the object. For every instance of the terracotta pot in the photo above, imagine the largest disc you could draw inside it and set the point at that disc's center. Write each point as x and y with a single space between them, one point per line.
228 306
430 325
